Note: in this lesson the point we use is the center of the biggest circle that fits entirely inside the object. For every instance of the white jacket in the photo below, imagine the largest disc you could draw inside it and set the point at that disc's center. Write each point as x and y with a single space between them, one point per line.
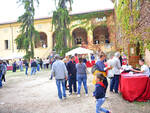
116 66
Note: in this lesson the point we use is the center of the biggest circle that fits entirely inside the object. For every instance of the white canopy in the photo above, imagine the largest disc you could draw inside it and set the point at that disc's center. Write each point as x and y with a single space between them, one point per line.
79 50
13 56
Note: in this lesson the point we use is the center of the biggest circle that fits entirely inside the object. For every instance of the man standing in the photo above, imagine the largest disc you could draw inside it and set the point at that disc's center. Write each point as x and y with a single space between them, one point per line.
26 66
59 71
116 66
71 67
33 66
38 63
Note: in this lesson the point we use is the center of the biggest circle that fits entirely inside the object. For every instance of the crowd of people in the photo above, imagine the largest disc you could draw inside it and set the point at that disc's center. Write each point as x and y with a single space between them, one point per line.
71 72
36 64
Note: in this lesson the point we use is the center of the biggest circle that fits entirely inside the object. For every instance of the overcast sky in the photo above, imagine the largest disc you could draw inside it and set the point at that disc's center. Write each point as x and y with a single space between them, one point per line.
10 10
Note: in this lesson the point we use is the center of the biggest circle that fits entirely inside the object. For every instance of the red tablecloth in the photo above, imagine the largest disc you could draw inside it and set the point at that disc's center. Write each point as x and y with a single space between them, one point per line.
90 64
135 88
9 67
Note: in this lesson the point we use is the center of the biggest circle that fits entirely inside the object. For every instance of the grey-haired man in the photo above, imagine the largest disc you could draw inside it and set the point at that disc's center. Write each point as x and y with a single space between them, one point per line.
60 73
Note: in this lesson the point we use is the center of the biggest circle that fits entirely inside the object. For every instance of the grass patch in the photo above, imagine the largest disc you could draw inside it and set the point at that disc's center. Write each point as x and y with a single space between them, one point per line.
142 103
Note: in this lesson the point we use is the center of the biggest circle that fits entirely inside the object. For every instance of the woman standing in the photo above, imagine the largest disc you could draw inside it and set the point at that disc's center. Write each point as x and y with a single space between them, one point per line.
81 76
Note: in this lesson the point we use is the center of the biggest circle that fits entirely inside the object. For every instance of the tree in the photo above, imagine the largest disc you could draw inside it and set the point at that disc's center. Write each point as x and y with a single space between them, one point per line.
29 36
60 22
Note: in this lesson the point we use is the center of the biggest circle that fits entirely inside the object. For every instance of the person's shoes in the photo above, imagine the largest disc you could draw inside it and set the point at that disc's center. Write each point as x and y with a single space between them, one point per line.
70 94
75 93
67 88
65 98
78 95
60 99
111 91
106 96
86 95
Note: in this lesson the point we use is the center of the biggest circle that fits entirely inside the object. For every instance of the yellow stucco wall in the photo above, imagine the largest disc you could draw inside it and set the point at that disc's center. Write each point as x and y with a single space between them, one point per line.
10 31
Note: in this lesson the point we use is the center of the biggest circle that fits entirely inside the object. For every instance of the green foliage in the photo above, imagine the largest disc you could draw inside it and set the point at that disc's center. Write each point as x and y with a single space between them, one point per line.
27 38
127 20
85 19
60 24
127 17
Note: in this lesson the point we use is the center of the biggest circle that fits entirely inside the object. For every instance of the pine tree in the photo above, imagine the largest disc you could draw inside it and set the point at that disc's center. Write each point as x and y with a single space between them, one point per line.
28 37
61 22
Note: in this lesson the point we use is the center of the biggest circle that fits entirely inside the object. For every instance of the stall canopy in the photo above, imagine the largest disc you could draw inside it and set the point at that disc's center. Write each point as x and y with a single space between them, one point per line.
80 50
13 56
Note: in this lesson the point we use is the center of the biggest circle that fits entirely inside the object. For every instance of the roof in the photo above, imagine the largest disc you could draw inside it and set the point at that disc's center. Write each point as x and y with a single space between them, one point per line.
99 6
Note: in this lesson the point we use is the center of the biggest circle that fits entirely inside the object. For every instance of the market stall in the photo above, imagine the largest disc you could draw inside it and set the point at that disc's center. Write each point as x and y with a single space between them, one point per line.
82 51
135 87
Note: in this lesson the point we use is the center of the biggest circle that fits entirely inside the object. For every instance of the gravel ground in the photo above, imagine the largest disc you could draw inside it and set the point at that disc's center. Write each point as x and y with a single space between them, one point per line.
38 94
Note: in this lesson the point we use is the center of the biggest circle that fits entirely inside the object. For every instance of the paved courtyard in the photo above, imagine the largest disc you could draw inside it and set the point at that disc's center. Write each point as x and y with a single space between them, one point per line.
38 94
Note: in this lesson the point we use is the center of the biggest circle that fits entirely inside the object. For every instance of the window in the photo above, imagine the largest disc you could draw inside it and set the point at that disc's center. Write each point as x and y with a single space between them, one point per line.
6 44
96 42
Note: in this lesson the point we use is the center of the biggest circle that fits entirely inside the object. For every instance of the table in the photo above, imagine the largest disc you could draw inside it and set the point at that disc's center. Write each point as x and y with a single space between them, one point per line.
135 88
9 67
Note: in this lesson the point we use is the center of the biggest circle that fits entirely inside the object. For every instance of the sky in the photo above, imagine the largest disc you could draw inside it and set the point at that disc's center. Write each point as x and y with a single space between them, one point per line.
10 10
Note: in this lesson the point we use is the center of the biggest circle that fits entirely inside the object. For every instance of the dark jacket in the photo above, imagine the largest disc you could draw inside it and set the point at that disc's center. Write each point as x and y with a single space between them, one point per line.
26 64
71 67
33 64
99 90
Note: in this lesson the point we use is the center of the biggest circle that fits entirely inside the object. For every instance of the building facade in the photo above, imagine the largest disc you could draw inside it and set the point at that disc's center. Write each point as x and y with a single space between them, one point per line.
97 33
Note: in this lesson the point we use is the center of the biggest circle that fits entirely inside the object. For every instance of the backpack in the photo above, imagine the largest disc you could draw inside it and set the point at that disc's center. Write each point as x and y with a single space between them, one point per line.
94 68
1 67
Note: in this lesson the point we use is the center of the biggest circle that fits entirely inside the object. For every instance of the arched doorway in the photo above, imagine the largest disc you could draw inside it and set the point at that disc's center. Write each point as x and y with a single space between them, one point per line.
79 36
43 41
100 35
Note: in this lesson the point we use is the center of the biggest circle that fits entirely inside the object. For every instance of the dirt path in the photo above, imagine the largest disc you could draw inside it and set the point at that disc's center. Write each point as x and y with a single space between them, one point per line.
38 94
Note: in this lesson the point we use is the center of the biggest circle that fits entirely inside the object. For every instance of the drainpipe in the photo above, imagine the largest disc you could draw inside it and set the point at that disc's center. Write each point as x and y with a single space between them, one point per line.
12 38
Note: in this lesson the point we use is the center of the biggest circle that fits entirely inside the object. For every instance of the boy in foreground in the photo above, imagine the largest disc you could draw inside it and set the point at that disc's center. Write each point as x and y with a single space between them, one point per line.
99 93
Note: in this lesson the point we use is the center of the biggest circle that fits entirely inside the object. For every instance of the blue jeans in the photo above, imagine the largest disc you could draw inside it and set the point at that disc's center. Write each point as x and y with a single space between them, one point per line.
33 70
59 83
21 68
82 78
26 72
44 66
99 103
114 84
0 79
38 67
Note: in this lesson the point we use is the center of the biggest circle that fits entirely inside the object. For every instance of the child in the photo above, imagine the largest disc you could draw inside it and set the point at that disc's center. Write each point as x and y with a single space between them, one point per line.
99 93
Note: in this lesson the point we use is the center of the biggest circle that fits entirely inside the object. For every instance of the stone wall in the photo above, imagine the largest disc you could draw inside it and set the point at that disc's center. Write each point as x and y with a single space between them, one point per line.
144 24
144 21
